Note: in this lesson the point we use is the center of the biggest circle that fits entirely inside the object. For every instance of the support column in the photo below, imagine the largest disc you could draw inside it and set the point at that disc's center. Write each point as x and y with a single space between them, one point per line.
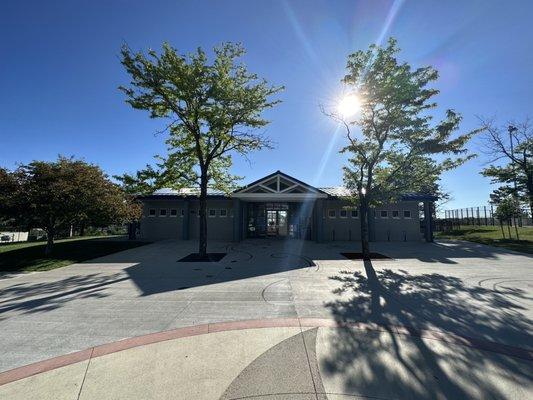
428 217
185 221
319 220
237 220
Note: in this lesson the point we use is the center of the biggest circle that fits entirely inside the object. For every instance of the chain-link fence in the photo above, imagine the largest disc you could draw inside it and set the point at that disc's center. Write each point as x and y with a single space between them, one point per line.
477 216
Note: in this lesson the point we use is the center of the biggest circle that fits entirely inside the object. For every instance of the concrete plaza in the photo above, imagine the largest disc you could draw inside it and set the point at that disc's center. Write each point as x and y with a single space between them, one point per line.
481 296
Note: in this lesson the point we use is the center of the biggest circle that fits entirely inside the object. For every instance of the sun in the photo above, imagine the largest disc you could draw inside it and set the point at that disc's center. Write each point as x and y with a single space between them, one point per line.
349 105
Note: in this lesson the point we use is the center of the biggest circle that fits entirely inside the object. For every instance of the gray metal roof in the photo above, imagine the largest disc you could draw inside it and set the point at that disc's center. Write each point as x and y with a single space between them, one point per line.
336 191
186 192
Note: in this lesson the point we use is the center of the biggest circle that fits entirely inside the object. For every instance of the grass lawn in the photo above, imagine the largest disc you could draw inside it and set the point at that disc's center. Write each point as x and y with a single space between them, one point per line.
29 256
492 235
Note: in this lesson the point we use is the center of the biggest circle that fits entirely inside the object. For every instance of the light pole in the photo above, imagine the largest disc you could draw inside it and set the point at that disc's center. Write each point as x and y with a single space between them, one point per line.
511 129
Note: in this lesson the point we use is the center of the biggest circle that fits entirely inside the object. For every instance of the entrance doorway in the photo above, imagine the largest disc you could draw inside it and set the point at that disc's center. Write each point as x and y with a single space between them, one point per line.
276 223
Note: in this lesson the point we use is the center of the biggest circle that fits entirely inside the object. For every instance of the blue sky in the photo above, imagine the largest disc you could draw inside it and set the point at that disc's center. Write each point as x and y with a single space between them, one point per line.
59 72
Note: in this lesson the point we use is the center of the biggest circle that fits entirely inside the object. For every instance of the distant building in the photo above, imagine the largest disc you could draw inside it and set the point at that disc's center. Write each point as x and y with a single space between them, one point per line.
279 205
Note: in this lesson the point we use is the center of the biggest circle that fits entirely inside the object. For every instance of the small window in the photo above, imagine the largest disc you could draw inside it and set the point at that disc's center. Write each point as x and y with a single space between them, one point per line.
407 214
355 213
173 212
332 213
212 212
151 212
384 214
162 212
395 214
182 212
223 212
343 213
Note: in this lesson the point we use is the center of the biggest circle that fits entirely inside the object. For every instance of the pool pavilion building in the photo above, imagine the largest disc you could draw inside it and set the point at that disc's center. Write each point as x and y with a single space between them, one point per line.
280 206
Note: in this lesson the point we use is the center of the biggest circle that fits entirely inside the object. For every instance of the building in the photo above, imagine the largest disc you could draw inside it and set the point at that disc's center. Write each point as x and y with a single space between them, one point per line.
279 205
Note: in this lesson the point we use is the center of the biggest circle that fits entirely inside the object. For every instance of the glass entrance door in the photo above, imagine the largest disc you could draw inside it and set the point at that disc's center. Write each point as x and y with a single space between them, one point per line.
276 223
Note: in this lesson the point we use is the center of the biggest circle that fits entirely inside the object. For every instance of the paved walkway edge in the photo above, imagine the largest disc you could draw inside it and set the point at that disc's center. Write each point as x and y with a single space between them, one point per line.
98 351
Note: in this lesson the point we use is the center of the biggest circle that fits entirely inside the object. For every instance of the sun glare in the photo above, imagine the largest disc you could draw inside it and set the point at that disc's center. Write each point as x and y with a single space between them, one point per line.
349 105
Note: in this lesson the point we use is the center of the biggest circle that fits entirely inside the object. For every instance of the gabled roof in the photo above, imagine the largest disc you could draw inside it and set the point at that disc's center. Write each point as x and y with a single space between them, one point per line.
279 182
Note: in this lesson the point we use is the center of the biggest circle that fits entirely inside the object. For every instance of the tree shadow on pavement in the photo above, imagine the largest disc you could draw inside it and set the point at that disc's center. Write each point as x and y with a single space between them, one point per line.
46 296
384 363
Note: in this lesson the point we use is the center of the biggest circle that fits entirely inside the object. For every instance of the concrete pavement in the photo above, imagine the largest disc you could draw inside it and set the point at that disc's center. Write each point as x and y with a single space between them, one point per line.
281 359
470 290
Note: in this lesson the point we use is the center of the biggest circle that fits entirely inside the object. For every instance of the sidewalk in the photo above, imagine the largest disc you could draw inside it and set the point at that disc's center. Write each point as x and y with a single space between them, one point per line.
281 359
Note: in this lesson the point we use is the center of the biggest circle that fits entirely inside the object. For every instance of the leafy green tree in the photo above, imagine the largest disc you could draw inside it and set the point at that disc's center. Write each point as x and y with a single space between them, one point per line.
393 146
508 209
516 174
55 195
212 111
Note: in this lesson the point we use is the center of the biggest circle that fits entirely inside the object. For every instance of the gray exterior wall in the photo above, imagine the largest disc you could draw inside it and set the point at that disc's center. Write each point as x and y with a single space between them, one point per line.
397 229
325 226
381 229
218 226
158 227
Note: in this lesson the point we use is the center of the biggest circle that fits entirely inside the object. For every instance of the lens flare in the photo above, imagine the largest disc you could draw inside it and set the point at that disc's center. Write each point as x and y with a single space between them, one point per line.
349 106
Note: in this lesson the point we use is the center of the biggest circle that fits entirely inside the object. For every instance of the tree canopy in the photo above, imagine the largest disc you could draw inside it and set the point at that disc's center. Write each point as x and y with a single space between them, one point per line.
510 166
55 195
394 146
212 111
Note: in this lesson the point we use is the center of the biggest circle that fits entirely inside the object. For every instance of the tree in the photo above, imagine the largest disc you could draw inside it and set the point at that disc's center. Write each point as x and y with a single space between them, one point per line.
55 195
212 111
516 173
397 149
508 209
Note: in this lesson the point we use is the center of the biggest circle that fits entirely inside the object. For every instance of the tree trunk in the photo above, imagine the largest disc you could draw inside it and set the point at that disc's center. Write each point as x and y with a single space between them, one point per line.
82 229
501 226
363 210
49 241
529 186
202 243
516 229
509 227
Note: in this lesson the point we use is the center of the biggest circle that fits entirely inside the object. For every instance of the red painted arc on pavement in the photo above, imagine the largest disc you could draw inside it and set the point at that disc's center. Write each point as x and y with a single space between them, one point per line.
109 348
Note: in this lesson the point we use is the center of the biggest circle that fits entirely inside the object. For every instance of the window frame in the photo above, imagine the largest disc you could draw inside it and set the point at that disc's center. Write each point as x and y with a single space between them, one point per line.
345 213
356 216
334 213
225 213
175 214
395 211
150 215
386 214
212 215
163 215
410 214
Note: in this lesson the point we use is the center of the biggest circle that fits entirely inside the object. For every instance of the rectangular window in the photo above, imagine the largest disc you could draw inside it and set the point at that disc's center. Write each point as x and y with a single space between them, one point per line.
395 214
332 213
212 213
223 212
343 213
151 212
173 212
162 212
384 214
407 214
182 212
355 213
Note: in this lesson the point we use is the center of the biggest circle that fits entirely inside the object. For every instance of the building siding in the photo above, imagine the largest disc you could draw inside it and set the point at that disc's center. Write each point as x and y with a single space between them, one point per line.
333 228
